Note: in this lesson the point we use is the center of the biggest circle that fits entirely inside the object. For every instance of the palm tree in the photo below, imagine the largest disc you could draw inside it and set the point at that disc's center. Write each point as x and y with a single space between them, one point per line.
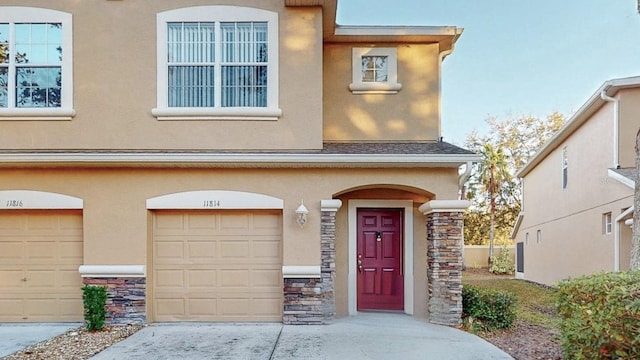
493 174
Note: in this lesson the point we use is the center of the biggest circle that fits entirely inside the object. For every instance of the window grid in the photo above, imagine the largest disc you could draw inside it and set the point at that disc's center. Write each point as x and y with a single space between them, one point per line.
374 68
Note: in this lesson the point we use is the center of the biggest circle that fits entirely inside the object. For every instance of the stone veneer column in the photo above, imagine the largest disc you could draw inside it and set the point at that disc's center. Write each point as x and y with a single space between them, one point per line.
309 296
126 291
444 221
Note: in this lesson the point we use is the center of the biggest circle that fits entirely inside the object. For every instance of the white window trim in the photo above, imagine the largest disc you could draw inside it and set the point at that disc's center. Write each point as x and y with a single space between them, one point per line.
217 14
391 86
17 14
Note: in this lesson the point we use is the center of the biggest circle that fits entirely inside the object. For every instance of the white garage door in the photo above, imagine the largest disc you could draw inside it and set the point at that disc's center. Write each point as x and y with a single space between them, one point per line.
40 252
217 266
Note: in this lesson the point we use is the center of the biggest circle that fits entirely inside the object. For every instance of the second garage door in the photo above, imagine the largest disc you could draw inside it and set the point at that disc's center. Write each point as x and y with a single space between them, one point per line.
217 266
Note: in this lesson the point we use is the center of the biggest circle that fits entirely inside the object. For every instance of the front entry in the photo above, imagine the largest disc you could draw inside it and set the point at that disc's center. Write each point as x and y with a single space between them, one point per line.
379 259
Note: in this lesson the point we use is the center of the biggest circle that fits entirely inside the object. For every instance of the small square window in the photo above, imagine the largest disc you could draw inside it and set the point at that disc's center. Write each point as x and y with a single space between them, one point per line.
606 223
375 71
539 236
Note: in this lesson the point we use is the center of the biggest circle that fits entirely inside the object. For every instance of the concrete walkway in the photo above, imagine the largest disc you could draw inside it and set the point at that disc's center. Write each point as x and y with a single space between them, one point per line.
15 337
365 336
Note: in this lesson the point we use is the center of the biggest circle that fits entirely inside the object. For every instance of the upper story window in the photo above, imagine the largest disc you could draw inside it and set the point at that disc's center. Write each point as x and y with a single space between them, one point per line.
217 62
375 71
607 223
565 168
36 78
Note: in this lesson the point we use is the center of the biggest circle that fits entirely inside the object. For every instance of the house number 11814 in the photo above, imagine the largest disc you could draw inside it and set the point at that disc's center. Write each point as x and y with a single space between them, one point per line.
211 203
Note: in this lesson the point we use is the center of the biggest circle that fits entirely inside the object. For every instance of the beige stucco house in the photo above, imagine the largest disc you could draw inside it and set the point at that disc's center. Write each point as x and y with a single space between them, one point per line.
578 190
224 160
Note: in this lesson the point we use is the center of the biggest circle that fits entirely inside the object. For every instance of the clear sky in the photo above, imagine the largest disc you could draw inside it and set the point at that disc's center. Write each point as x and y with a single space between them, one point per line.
517 57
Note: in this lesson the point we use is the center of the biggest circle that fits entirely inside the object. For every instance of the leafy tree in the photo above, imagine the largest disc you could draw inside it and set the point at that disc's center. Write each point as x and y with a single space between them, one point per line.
517 139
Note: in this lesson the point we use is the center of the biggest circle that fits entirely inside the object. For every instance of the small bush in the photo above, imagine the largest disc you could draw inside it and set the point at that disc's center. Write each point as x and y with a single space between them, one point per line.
94 299
600 316
488 309
503 263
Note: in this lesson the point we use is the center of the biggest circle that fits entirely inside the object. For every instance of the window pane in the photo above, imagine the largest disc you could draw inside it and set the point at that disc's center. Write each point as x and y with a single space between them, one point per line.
244 42
191 86
38 43
4 77
244 86
191 42
38 86
4 43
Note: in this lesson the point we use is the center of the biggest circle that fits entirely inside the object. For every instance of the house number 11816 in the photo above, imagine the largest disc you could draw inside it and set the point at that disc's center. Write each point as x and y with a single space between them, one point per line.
14 203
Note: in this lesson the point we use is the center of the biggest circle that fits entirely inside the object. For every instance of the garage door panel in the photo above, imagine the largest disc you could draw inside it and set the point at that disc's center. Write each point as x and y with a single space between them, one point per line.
198 279
169 252
234 278
11 252
231 266
166 279
202 307
234 223
202 251
11 279
234 249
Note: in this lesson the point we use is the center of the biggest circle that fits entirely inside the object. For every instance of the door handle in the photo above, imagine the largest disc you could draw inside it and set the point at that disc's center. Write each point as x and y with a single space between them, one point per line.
359 262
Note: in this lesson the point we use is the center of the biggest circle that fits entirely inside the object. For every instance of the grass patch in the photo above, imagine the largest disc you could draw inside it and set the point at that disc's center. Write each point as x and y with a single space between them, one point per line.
535 305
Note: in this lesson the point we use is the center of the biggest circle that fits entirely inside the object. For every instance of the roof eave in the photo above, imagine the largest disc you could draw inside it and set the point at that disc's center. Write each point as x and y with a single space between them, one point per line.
593 104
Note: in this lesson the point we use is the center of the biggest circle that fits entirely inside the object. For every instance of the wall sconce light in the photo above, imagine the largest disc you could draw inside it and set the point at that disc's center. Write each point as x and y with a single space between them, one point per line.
301 214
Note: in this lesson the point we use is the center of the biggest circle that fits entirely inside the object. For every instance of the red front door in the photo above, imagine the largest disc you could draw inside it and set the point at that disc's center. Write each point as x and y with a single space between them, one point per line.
379 260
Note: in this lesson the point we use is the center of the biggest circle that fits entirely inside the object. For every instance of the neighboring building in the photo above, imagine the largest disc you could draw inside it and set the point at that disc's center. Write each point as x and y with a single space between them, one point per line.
238 160
578 190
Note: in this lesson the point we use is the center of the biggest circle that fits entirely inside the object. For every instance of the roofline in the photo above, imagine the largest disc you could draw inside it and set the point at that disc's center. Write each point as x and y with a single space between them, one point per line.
230 160
445 36
584 113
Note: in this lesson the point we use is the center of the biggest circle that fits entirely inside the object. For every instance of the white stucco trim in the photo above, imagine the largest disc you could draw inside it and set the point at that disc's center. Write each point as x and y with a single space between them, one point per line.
231 160
330 205
101 271
444 206
301 271
407 205
214 199
30 200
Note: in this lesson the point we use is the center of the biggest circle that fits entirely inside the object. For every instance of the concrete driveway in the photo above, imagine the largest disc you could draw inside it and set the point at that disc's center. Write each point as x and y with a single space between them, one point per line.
365 336
15 337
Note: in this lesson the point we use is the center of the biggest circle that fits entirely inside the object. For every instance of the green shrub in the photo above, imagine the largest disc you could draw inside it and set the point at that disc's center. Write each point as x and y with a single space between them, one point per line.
503 263
600 316
94 299
487 309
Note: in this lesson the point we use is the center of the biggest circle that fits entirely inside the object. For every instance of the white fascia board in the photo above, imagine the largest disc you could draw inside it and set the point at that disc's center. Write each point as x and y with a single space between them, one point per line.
623 179
220 159
355 30
516 226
